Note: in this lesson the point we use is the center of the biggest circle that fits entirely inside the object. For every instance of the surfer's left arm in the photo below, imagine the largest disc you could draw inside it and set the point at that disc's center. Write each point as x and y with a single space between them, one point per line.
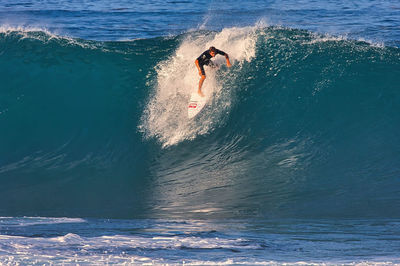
228 63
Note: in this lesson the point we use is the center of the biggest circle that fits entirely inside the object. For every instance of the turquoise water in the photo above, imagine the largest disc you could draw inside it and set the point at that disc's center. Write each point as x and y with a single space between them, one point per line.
295 158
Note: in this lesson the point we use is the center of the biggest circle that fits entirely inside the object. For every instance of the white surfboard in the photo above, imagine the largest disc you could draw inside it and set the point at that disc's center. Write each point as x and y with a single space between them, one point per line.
196 103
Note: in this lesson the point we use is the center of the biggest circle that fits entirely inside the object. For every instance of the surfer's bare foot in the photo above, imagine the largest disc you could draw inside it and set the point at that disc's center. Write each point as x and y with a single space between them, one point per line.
200 93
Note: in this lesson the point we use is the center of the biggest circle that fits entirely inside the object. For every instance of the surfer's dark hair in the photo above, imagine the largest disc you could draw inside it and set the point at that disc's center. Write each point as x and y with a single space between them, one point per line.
212 49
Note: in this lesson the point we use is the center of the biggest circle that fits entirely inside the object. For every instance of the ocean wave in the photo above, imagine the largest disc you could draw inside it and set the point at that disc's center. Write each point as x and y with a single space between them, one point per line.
299 126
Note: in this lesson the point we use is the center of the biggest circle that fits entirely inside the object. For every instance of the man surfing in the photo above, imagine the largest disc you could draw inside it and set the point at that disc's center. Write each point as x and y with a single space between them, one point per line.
205 59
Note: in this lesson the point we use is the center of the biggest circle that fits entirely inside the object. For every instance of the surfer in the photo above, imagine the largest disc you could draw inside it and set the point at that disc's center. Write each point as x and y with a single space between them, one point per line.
204 59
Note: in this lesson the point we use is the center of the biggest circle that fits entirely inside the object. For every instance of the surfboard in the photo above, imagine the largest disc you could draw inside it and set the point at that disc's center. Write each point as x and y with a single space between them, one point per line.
196 104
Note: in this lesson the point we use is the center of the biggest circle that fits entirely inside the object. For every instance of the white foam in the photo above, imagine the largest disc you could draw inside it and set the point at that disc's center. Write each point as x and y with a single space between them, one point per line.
171 245
121 250
165 117
73 248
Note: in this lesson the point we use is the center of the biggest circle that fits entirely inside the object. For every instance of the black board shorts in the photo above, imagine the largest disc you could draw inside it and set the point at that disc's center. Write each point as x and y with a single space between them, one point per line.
202 70
209 63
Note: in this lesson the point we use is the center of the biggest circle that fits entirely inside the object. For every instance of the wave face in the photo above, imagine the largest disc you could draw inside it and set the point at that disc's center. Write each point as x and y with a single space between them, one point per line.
302 125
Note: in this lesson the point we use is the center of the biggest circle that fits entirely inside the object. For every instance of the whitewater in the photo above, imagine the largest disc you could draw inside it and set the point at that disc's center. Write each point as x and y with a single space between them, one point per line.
295 159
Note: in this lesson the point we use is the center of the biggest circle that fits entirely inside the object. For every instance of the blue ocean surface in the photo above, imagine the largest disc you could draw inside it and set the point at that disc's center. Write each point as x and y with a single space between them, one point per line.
294 160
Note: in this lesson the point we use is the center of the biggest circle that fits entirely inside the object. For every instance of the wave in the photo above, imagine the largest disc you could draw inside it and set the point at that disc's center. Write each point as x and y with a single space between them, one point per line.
302 125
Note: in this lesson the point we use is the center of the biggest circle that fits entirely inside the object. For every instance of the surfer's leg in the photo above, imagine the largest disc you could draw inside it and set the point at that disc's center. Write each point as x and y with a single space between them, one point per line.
203 77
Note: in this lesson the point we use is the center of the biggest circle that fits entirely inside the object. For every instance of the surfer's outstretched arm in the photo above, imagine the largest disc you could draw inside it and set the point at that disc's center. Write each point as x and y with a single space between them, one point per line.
228 63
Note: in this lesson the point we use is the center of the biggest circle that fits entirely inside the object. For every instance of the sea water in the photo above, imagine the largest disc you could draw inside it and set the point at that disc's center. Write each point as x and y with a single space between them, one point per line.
295 159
